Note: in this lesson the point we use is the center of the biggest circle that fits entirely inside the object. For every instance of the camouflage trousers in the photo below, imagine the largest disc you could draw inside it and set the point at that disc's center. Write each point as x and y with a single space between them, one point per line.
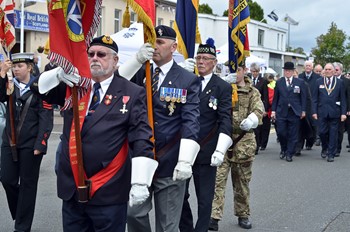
241 174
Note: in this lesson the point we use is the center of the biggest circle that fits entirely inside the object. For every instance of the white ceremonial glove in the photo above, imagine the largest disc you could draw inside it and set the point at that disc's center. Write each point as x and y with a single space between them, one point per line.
250 122
142 171
145 53
132 65
231 78
188 64
50 79
138 194
224 142
187 155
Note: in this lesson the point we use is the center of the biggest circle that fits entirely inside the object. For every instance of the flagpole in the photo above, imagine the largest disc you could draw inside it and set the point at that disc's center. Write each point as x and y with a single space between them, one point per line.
288 36
22 27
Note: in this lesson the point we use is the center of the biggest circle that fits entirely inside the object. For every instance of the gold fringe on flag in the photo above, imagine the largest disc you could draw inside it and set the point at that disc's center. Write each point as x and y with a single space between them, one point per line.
126 17
47 47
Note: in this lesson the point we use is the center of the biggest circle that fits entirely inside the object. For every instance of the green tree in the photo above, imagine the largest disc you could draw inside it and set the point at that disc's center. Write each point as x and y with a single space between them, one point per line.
256 12
332 47
205 9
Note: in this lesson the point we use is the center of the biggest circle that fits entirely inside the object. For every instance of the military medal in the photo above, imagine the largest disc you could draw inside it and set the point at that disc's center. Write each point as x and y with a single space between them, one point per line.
178 95
171 108
215 104
162 94
211 100
167 94
173 95
125 100
183 96
108 99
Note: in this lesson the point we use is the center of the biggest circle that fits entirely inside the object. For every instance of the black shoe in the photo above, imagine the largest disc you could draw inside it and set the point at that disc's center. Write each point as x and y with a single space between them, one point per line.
289 159
282 155
308 148
324 154
213 224
244 223
330 159
298 153
347 146
262 148
337 155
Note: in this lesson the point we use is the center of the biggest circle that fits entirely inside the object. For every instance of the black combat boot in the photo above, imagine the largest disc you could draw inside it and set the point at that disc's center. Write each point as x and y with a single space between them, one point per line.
214 224
244 223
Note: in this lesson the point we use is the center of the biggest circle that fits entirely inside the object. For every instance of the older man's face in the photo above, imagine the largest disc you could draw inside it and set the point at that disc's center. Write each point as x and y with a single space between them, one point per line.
103 62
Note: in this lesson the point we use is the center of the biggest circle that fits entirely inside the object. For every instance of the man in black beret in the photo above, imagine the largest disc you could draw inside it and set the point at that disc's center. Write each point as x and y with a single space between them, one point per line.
288 107
116 147
176 127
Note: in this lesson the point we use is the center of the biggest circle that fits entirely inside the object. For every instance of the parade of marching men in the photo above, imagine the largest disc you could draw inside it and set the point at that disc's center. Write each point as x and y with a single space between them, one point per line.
173 115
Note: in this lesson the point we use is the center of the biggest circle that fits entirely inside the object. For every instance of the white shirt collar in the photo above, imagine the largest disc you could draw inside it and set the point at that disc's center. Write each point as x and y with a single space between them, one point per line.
104 86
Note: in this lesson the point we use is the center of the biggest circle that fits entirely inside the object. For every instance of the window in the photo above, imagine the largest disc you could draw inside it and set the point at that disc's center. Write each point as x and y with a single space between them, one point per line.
171 23
160 21
133 17
278 41
117 14
99 29
261 37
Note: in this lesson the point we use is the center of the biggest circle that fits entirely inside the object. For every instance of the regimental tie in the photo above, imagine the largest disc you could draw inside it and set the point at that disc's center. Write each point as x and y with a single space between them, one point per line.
288 81
202 79
328 82
155 80
95 101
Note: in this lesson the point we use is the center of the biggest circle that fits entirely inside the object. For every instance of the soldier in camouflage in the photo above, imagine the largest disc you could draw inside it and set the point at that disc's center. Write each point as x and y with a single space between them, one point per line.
247 114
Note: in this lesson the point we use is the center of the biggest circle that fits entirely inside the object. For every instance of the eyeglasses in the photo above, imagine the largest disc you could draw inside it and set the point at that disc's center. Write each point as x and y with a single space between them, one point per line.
99 54
204 58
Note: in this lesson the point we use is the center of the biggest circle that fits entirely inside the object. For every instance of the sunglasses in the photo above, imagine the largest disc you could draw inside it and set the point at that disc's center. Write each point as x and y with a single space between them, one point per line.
99 54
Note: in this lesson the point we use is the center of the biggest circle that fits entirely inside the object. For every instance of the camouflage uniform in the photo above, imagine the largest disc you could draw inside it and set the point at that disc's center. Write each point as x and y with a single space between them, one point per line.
243 155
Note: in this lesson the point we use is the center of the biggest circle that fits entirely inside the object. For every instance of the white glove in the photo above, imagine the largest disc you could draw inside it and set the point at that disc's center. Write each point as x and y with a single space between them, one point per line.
138 194
187 155
50 79
224 142
142 171
231 78
250 122
217 158
145 53
188 64
182 171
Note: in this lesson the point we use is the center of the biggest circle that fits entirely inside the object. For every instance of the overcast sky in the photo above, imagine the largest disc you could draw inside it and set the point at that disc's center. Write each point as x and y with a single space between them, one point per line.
314 17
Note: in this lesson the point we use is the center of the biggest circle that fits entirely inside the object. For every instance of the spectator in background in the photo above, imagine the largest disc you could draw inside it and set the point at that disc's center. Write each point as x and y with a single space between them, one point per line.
318 69
50 66
36 71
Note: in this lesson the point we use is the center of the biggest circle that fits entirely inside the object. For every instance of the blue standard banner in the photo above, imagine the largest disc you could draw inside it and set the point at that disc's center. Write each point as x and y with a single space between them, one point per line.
32 21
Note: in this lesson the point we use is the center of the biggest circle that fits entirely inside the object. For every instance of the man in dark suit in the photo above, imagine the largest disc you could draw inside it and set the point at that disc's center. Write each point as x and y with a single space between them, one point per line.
261 84
310 129
288 107
329 106
214 138
338 73
176 128
115 134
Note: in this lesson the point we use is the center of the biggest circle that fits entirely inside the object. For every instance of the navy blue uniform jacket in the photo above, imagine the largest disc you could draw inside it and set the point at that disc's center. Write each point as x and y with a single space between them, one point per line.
184 120
294 97
102 137
332 105
222 91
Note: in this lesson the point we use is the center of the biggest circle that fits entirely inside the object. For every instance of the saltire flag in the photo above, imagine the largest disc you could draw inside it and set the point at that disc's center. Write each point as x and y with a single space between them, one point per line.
73 24
186 27
273 16
146 11
238 18
7 30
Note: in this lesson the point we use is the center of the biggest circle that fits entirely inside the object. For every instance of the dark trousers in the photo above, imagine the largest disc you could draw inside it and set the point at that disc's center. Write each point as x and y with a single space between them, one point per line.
328 130
257 132
93 218
20 181
341 130
347 126
288 130
204 182
265 131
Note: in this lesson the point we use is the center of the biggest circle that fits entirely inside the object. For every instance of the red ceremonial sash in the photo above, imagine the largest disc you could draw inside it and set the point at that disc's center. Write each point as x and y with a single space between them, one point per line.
103 176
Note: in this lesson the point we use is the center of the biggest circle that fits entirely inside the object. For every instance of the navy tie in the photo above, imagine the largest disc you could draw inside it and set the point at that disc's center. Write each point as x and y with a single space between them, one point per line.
155 80
95 101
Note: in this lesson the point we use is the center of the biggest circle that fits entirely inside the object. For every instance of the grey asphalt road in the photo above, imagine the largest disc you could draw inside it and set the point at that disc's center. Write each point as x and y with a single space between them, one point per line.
307 195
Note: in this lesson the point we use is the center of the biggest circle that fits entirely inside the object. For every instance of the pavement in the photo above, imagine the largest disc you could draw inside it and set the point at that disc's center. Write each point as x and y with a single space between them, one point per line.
306 195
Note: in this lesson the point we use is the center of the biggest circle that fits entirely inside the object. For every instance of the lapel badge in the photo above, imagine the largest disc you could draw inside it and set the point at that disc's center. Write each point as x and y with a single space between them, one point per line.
125 100
108 99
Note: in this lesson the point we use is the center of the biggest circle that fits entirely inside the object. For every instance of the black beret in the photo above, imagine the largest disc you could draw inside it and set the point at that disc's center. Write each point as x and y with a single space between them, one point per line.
105 40
165 32
208 47
22 57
